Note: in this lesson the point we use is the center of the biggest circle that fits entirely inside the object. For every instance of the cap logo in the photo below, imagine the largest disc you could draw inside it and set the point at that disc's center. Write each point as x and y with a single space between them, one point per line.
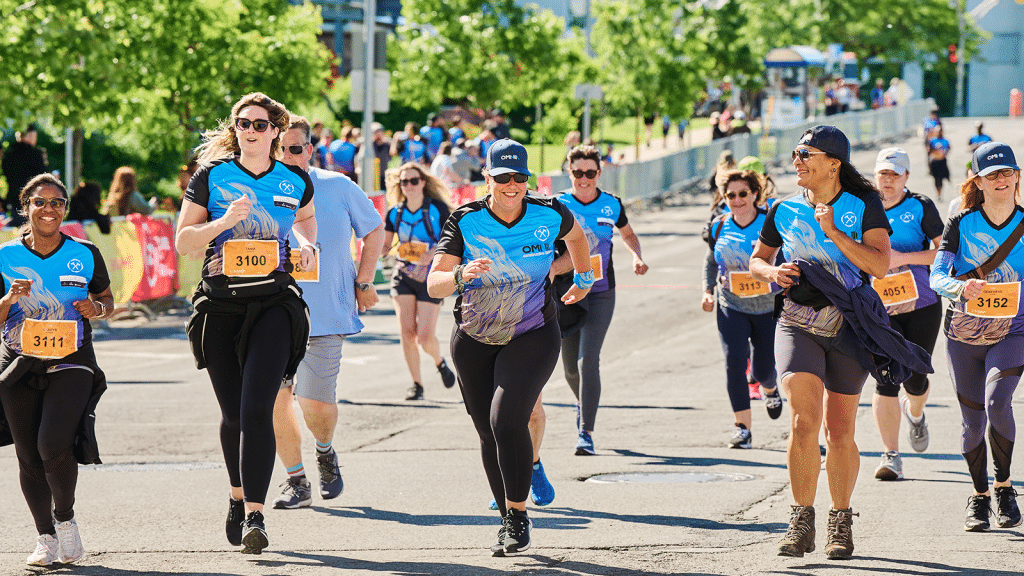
509 157
996 155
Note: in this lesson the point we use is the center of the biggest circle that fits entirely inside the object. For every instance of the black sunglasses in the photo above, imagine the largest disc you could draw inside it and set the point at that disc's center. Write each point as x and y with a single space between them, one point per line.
1006 172
804 154
55 203
506 177
296 150
243 124
588 173
414 181
732 195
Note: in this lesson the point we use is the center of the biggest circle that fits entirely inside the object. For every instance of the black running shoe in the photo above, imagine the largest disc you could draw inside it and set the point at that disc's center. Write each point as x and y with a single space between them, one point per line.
296 492
517 531
498 548
1007 512
979 508
233 525
415 392
447 376
773 403
254 538
331 484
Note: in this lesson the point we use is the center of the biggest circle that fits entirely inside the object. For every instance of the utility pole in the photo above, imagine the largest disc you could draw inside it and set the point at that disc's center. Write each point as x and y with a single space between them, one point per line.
369 183
959 107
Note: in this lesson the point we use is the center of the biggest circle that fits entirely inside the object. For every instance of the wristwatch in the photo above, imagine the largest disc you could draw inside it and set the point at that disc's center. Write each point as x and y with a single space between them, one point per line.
364 286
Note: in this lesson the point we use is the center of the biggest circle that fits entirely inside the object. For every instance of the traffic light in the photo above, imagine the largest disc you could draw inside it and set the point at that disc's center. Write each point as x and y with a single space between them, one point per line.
952 53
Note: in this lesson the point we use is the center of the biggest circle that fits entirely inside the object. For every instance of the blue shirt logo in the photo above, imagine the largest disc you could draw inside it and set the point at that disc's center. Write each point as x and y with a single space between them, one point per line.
75 265
542 233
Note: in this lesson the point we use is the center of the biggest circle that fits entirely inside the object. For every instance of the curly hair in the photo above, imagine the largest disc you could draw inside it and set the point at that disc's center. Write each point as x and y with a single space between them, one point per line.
223 142
432 187
753 180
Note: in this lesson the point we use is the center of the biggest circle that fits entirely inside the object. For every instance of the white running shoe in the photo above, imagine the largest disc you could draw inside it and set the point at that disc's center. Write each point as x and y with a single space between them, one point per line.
916 433
46 551
71 549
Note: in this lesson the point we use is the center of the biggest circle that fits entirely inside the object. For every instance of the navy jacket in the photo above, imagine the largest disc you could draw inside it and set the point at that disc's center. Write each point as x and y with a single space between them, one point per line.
866 334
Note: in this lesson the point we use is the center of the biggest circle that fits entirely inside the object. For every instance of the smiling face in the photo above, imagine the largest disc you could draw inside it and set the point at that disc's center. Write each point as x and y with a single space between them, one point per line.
739 196
999 188
586 186
412 191
814 172
506 197
252 143
45 220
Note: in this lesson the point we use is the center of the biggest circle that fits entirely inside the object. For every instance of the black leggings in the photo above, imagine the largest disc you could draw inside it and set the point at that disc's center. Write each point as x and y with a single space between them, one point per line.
246 394
43 423
921 327
500 385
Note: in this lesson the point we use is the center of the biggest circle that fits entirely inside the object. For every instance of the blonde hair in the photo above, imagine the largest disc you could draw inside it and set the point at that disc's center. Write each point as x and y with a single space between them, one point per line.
121 188
223 142
432 187
971 194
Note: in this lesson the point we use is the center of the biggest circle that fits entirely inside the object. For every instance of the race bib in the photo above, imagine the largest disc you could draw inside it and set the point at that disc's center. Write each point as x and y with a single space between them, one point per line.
997 300
250 258
295 257
49 338
896 288
412 251
595 263
743 285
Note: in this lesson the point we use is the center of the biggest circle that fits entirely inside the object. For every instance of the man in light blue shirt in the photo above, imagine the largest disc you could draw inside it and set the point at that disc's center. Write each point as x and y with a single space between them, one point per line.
335 295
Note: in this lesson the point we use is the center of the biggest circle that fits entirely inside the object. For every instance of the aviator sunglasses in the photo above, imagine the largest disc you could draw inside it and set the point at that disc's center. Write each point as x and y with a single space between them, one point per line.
588 173
804 154
55 203
504 178
414 181
1006 172
243 124
733 195
295 150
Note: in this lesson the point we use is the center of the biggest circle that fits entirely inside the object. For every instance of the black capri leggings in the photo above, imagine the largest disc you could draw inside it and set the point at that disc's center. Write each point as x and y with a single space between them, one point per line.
44 423
246 394
921 327
500 385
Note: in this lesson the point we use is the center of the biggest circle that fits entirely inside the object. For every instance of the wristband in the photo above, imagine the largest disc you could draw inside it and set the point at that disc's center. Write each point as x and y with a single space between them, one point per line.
460 284
103 308
583 280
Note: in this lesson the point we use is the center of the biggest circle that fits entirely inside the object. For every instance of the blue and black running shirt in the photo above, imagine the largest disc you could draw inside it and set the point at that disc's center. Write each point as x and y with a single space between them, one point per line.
914 221
515 296
599 218
66 275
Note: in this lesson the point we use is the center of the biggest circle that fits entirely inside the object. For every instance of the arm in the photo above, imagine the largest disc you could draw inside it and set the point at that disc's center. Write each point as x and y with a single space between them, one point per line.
195 233
632 243
579 251
441 280
372 243
88 308
304 228
871 256
944 284
761 267
386 244
20 287
561 265
925 257
708 281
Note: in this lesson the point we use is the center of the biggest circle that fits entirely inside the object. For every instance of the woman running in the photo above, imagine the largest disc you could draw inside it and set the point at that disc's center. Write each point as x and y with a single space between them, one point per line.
979 267
421 209
913 307
250 325
53 285
746 325
497 253
838 224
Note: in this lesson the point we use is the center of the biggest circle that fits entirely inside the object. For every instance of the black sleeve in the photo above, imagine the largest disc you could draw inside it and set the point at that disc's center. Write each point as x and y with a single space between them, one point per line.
388 225
874 213
568 220
100 278
951 234
931 221
307 193
451 241
198 191
769 233
622 221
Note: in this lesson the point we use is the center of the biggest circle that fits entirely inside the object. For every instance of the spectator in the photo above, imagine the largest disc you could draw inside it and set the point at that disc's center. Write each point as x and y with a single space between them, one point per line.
410 146
842 96
455 133
666 126
500 129
716 128
443 167
435 134
740 125
979 138
682 130
322 157
342 153
831 100
572 140
381 147
124 197
21 162
878 94
85 205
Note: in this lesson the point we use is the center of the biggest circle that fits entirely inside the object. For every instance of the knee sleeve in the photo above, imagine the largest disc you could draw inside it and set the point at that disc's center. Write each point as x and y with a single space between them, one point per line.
917 385
887 390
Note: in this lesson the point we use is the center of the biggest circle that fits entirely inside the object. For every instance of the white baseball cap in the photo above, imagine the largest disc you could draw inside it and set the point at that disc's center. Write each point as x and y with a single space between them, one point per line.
894 159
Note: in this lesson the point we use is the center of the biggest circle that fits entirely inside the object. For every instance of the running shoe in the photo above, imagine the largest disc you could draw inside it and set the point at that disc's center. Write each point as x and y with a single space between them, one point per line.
517 531
839 545
773 403
891 467
331 484
296 492
1007 512
754 390
254 540
541 491
741 438
979 508
447 376
415 392
46 553
233 525
585 444
70 542
498 548
916 433
799 537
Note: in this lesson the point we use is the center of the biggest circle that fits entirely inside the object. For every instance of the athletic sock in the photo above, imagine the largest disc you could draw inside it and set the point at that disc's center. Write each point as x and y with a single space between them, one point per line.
323 448
915 419
296 471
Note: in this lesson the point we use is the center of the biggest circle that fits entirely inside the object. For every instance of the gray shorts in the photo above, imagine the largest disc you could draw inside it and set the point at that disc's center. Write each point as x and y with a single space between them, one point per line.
800 351
317 375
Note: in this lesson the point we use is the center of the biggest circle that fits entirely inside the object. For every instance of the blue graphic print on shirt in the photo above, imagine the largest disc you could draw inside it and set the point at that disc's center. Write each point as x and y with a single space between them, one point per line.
599 218
413 229
734 244
914 222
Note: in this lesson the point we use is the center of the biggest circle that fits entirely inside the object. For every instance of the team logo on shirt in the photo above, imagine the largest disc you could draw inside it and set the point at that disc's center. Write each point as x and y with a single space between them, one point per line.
849 219
607 210
907 218
75 281
287 187
75 265
542 233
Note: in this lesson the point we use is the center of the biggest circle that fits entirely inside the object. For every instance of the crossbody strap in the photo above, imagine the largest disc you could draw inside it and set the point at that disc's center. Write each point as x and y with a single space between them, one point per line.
993 262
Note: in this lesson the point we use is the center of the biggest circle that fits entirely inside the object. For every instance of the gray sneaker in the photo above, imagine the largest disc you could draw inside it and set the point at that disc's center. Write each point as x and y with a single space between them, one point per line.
295 493
916 433
891 467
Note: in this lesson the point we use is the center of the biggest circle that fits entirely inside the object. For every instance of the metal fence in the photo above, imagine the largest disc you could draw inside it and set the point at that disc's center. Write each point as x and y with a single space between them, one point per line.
659 176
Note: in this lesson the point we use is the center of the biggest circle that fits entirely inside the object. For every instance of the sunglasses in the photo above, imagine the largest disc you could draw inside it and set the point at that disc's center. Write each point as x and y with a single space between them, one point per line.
588 173
55 203
506 177
414 181
733 195
1006 172
804 154
243 124
295 150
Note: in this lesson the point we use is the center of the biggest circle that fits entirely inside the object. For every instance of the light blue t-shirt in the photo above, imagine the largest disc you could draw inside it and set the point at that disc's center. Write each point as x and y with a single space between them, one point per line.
341 209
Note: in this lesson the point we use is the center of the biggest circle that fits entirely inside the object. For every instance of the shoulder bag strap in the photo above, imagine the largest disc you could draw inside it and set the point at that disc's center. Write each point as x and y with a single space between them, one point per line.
997 257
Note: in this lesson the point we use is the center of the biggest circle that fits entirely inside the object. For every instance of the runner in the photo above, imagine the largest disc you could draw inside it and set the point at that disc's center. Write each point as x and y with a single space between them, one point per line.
979 267
497 253
53 284
335 295
938 167
746 324
599 214
837 224
914 309
250 325
420 210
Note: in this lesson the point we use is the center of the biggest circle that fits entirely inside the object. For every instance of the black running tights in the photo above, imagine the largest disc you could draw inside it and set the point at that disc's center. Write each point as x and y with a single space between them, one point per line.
43 423
500 385
246 394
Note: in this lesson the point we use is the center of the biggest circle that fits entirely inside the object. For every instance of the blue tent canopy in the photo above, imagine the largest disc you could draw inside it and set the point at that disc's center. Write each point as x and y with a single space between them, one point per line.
794 57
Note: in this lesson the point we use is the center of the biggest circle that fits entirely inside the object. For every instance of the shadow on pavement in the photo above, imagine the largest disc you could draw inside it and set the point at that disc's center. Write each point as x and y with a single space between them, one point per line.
582 517
694 461
622 406
375 338
901 567
100 570
928 456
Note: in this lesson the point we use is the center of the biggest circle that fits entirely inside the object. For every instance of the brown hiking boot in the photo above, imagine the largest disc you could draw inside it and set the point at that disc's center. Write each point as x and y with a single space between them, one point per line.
840 534
799 536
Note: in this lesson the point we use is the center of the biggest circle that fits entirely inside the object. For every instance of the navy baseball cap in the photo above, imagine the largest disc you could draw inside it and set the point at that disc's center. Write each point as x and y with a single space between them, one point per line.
992 156
506 156
828 139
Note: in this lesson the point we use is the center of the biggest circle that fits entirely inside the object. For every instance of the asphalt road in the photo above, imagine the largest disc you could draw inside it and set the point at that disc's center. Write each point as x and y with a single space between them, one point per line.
415 494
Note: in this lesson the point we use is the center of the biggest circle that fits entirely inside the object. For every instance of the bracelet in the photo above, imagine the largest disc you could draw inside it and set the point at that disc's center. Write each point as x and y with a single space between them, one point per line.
103 308
460 284
583 280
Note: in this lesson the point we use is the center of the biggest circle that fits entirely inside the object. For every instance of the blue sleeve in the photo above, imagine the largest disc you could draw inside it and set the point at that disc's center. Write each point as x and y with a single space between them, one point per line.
364 216
941 279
